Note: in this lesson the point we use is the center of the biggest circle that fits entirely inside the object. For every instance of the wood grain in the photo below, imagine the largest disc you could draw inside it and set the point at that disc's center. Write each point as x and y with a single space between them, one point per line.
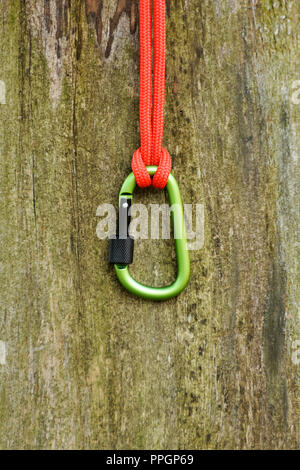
87 365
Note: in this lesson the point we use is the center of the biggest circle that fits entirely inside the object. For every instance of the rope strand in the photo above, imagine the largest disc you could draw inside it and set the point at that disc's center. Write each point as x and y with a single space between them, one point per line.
151 151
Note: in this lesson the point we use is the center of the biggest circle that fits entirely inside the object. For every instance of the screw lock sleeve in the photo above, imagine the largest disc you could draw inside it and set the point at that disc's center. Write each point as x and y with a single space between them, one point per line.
121 246
121 250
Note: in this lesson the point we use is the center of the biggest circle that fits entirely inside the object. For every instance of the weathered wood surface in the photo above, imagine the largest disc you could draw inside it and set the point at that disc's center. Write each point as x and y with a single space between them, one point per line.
83 363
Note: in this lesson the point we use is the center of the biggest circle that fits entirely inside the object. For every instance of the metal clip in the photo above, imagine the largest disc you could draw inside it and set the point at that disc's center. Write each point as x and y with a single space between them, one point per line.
121 249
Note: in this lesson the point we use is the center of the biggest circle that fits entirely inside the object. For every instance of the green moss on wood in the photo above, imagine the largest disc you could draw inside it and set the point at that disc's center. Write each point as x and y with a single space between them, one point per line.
88 365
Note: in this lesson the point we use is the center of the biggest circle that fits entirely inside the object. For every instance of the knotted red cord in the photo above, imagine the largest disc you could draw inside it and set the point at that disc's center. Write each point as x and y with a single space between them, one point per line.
151 151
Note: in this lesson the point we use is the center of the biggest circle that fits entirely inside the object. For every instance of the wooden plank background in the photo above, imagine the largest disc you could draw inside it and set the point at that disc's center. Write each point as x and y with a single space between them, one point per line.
83 364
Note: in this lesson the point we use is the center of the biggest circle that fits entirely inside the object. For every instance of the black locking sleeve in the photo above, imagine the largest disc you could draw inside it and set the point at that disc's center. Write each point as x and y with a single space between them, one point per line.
121 247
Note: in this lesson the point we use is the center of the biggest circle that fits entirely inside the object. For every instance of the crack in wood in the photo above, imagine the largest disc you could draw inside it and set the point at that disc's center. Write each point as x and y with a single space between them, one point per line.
59 18
93 10
47 15
130 8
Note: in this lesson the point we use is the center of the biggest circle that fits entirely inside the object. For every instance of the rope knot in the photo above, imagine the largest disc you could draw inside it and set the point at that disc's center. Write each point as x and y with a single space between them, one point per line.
142 177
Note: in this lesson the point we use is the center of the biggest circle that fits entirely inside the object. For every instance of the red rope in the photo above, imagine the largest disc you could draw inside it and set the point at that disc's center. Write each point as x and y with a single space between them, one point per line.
151 151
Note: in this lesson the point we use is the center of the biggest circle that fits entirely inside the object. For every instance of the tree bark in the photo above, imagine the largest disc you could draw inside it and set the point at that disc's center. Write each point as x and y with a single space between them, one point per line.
83 364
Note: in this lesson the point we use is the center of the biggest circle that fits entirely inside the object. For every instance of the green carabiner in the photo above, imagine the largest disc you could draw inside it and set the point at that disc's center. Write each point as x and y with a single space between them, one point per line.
121 247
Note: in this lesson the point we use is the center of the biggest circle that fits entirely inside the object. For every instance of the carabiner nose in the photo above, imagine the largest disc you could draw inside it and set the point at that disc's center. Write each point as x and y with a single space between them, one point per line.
121 247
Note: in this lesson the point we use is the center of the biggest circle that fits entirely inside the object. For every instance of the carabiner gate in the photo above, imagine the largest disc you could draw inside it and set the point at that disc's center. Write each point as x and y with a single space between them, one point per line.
121 246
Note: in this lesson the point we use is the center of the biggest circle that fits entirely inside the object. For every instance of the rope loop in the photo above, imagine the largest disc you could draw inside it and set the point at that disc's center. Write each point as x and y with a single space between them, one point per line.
142 177
161 175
